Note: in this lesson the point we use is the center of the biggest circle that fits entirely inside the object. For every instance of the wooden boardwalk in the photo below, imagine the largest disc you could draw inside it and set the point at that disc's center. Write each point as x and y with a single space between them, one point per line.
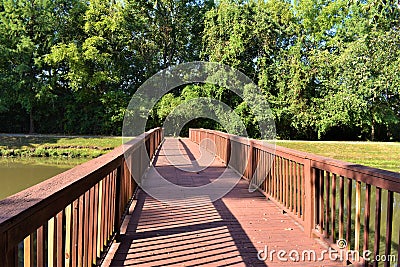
194 231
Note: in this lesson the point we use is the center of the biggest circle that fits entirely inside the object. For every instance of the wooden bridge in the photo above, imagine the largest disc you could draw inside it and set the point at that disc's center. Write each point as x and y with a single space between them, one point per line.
96 214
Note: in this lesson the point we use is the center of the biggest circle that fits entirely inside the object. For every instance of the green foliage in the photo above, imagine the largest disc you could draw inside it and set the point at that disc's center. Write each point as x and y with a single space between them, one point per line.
74 65
329 69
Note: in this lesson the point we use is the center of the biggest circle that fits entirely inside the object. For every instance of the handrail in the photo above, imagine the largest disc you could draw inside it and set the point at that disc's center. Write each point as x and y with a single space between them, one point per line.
330 198
71 217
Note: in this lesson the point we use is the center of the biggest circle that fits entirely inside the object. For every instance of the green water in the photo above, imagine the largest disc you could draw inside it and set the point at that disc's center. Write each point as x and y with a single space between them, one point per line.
20 173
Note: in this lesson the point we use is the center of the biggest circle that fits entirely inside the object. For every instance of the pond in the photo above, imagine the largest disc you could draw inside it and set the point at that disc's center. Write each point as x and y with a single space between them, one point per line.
17 174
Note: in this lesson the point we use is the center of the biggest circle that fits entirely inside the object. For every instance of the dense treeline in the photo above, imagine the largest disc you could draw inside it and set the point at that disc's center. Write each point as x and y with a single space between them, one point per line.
330 69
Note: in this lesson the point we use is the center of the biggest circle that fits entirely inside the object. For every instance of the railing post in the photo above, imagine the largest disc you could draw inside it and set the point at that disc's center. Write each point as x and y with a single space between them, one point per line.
309 198
118 213
214 137
250 165
228 150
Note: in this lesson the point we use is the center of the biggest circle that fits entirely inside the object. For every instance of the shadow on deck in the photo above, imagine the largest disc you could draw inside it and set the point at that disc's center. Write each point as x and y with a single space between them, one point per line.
194 231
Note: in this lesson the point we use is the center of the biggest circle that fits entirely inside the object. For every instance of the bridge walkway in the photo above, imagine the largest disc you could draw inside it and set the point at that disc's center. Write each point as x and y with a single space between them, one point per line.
195 231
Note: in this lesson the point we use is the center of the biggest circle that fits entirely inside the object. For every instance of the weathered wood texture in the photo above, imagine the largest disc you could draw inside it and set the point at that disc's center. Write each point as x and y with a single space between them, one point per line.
73 216
330 198
194 231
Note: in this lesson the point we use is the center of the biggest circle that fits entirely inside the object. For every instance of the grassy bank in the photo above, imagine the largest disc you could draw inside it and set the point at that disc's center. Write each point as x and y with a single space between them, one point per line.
13 146
383 155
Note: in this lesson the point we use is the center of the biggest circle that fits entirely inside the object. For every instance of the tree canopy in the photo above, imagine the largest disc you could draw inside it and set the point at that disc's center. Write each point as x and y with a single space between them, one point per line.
329 69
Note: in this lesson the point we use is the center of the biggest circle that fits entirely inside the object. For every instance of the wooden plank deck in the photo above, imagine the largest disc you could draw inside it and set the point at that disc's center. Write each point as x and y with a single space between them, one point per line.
226 232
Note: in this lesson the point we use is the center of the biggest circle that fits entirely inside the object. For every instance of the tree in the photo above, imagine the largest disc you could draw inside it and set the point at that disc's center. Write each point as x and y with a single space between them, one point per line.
27 35
170 30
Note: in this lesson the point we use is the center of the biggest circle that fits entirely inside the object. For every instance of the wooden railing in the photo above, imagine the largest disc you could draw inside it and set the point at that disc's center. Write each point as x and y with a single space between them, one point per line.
331 199
70 219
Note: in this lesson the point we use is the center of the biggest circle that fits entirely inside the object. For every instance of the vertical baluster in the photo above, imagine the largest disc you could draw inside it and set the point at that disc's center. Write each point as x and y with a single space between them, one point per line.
40 246
95 222
317 204
341 207
266 172
228 151
357 230
90 227
259 168
75 232
262 173
265 169
310 197
321 201
389 220
51 245
273 174
277 180
333 210
285 183
112 203
348 225
270 171
80 231
298 190
377 238
276 177
109 203
86 234
118 208
267 186
366 216
251 161
302 180
293 185
100 217
59 239
29 251
105 212
282 178
327 207
279 177
68 224
286 188
290 185
295 188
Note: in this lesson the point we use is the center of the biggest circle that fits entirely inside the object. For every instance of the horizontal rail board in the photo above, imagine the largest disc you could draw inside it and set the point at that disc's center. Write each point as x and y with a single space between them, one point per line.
98 191
314 189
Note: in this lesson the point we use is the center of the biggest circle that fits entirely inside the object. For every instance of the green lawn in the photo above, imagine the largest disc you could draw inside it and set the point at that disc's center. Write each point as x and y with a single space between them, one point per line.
55 146
383 155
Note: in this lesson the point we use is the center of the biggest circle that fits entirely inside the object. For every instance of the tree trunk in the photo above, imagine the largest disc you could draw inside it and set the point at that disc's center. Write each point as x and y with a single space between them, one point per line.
31 123
373 131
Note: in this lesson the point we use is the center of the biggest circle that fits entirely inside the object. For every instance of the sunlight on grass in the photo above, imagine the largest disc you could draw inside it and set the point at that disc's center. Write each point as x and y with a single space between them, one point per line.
21 142
54 146
383 155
